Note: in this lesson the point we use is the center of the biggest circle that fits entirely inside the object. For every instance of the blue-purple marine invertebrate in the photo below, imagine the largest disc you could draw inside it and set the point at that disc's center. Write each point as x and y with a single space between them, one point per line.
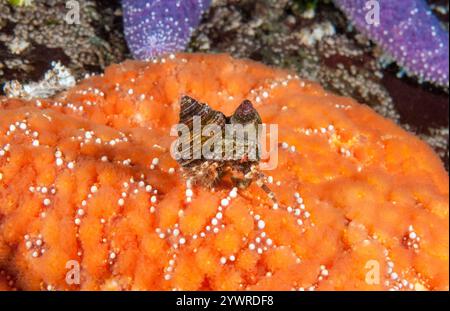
407 30
154 27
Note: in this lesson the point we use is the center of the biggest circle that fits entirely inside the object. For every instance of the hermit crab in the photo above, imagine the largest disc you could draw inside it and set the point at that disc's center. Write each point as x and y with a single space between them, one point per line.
214 147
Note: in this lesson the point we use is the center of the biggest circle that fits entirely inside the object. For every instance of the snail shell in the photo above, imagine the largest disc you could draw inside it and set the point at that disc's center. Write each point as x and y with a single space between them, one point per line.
245 113
247 144
189 109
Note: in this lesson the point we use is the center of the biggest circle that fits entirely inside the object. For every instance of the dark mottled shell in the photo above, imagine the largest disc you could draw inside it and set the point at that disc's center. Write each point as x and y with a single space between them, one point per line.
189 108
245 114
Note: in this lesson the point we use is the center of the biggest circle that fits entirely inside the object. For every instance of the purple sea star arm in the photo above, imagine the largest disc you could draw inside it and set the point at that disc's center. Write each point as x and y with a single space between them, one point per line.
409 32
155 27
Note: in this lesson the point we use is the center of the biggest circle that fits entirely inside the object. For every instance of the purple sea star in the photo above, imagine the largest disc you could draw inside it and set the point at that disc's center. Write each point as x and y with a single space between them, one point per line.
154 27
409 32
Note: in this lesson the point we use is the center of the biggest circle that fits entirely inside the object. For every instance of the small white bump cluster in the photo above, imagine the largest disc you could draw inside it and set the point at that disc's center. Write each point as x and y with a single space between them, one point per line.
35 245
412 239
261 242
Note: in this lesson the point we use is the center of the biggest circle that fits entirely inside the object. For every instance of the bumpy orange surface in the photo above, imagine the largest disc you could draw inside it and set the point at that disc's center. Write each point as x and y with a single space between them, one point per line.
87 178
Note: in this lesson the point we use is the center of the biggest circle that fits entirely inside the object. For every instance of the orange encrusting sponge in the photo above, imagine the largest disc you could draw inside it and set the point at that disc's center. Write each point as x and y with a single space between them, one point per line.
87 185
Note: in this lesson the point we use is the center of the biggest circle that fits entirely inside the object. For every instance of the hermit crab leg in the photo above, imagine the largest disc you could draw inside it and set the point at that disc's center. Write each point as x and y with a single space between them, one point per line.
266 189
255 174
